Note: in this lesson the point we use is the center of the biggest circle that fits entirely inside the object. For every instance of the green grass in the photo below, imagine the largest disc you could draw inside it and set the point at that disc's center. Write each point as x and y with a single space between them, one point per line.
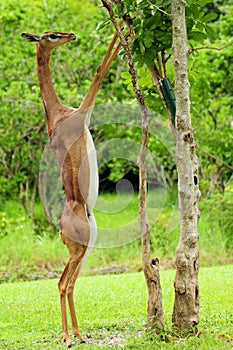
30 252
112 312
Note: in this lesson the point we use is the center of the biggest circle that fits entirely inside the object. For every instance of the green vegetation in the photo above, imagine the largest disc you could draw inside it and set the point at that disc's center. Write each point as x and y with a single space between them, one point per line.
112 311
22 127
29 246
27 253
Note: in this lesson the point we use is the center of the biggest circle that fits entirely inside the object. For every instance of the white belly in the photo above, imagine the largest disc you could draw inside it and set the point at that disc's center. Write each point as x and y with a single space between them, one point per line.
92 194
94 177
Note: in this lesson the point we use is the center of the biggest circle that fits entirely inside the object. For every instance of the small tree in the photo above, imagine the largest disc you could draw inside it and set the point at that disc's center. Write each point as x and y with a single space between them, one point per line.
157 26
150 266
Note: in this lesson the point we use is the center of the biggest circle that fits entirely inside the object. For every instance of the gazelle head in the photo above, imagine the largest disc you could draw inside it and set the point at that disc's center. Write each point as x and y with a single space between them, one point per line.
49 40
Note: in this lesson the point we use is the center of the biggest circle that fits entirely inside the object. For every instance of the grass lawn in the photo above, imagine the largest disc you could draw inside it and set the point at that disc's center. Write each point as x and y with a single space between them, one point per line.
112 311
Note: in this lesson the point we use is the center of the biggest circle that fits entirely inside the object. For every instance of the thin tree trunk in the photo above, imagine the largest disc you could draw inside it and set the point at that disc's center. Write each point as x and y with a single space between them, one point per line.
186 305
150 266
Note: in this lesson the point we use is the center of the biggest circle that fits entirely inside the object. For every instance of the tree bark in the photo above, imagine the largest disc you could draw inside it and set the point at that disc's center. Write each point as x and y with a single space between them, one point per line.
150 266
186 305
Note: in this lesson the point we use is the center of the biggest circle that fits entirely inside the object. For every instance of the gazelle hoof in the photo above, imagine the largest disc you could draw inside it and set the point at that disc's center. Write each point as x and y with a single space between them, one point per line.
78 336
80 341
68 342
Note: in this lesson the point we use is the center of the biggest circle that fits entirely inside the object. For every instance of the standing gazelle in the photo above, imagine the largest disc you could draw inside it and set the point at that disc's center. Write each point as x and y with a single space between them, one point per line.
73 147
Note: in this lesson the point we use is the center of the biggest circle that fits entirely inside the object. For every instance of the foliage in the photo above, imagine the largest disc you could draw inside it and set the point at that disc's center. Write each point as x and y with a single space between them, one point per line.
212 107
29 251
111 312
23 138
208 24
220 206
152 25
9 224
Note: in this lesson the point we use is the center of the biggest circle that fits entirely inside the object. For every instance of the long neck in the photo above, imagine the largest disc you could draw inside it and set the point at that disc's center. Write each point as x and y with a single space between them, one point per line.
50 99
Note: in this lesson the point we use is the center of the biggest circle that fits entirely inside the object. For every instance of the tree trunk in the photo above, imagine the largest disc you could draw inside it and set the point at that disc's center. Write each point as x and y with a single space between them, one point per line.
186 305
150 266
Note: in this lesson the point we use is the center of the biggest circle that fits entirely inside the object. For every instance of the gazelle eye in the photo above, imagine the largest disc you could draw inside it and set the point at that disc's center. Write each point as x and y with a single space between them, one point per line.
54 37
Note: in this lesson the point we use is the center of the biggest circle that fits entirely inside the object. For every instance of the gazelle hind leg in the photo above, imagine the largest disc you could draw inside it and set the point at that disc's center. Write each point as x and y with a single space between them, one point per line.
70 297
77 252
62 292
70 290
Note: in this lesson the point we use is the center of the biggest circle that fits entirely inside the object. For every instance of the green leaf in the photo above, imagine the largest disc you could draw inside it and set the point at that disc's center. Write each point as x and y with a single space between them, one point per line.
142 47
209 17
197 35
151 102
148 38
138 58
148 61
193 11
210 31
136 22
189 22
152 22
125 75
102 24
203 2
135 46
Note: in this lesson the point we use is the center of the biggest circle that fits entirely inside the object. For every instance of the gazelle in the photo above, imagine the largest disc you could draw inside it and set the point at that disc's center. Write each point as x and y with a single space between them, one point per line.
74 150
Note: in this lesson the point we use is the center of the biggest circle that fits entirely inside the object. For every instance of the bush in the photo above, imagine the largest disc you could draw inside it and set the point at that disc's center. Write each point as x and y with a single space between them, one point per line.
219 208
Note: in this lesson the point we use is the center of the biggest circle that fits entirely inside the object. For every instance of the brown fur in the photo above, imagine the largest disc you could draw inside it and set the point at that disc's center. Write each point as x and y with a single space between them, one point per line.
68 142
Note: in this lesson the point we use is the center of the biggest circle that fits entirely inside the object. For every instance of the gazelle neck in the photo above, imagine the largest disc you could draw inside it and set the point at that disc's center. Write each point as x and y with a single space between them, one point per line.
51 101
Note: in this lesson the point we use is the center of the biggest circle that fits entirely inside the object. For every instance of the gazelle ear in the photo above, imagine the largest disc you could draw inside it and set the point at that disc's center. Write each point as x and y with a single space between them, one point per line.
31 37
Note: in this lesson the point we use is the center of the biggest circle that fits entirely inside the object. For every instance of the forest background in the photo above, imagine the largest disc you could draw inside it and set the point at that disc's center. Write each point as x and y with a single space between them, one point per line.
29 245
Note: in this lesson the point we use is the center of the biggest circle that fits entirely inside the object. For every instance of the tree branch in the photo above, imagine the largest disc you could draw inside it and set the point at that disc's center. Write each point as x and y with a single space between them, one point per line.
216 158
191 49
127 49
159 65
159 9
